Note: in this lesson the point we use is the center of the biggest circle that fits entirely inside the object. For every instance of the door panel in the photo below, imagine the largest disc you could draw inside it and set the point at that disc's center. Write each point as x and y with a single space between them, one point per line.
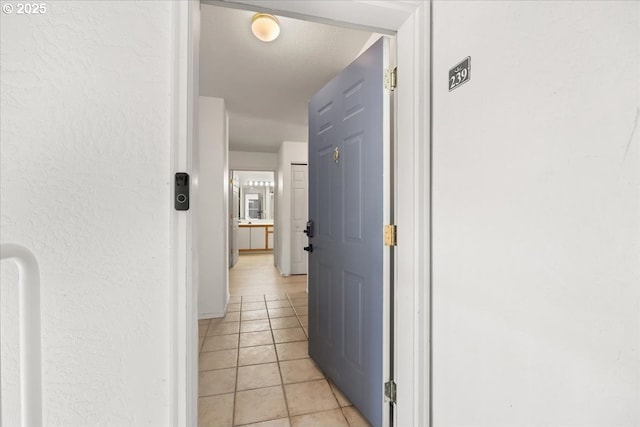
244 238
348 198
323 193
258 237
234 215
353 189
322 297
353 319
299 216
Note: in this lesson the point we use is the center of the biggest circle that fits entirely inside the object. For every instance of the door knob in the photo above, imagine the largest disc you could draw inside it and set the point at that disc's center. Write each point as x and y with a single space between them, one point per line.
308 248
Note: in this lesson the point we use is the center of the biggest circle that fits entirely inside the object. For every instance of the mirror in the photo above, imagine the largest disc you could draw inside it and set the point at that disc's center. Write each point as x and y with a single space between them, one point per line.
256 199
253 206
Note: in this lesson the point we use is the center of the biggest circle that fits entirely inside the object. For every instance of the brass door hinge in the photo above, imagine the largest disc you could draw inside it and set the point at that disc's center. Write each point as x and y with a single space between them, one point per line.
391 79
390 235
390 391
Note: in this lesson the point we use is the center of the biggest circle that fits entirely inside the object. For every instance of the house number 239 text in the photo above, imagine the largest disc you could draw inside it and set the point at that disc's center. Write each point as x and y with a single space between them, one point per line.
460 74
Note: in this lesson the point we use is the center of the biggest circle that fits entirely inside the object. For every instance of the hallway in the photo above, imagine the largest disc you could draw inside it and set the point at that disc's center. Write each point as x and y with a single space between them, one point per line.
254 368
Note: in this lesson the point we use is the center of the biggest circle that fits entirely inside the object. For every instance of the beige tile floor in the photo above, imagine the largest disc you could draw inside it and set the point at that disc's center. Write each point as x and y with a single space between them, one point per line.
254 368
255 274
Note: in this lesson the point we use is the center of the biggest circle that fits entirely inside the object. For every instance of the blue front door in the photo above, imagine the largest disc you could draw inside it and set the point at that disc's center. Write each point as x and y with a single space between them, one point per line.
346 205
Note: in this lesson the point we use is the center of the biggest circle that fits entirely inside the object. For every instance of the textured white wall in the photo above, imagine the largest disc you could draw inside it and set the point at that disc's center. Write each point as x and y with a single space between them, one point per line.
213 209
290 152
84 178
536 215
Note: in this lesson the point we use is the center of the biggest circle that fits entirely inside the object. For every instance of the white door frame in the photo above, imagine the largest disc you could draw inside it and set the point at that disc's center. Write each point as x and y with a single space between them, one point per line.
275 203
410 22
183 325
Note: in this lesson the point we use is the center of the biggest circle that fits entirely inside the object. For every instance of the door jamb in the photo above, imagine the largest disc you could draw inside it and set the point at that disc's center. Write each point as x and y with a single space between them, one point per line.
183 325
413 204
413 218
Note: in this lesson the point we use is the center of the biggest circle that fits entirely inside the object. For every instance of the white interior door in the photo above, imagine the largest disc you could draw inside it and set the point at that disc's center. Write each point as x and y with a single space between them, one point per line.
299 209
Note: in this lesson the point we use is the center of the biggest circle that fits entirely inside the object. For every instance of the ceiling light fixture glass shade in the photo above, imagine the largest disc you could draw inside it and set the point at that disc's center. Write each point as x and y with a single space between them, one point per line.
265 27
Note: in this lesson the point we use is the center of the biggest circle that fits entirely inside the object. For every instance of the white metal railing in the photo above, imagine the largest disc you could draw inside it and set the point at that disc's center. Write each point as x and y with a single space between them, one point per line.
30 356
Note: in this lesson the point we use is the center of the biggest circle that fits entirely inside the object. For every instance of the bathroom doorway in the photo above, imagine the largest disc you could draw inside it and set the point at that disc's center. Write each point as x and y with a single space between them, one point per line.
252 214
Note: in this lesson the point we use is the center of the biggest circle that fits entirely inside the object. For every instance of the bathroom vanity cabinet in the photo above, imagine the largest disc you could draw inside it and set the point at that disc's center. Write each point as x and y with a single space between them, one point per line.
255 237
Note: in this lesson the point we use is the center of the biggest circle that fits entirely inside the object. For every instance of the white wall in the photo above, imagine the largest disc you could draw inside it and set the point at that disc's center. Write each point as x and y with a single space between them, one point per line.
252 161
536 215
290 152
85 183
213 209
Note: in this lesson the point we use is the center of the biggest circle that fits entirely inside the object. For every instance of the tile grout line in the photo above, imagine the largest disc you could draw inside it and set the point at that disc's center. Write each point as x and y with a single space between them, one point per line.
280 372
291 383
329 382
204 338
335 396
275 293
275 349
235 386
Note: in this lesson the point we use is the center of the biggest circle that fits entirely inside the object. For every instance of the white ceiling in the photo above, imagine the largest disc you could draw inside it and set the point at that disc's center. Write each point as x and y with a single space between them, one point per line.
267 86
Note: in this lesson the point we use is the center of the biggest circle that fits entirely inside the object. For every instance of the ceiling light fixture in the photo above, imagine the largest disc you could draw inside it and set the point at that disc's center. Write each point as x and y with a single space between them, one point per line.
265 27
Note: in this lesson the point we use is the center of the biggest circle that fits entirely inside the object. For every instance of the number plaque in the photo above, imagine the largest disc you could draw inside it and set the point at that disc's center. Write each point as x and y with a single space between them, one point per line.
460 74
